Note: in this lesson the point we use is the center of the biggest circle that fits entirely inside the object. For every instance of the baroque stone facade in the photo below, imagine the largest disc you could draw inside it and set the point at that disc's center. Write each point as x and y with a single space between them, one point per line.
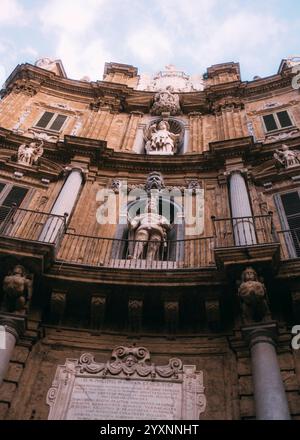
213 300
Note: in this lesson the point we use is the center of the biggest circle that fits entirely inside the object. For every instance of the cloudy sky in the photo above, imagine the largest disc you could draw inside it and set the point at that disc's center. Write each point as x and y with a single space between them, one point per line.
192 34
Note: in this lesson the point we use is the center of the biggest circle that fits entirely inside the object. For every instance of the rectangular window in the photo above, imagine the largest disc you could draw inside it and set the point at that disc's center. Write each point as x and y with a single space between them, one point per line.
291 209
12 195
277 121
51 121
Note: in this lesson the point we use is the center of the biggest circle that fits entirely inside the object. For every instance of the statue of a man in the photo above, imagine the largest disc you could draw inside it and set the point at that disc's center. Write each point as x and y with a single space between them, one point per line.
159 139
150 229
28 154
286 157
17 287
253 298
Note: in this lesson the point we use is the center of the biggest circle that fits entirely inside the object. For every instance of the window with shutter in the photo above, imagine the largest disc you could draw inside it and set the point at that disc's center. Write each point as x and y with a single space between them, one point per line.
270 122
291 206
58 122
277 121
284 119
51 121
45 119
15 196
2 186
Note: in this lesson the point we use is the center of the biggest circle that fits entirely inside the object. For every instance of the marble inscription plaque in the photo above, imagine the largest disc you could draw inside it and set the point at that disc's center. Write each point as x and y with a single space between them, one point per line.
127 387
109 399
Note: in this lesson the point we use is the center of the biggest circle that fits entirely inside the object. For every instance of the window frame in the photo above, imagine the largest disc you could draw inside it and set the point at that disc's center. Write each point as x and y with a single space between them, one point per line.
50 123
284 221
274 114
9 186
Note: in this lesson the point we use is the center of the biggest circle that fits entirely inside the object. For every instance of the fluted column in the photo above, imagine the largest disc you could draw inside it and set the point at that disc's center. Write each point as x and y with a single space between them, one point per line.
13 328
63 206
243 227
269 393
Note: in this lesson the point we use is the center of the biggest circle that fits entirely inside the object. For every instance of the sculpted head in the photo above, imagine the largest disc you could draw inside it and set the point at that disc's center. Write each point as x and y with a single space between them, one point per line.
249 274
19 271
130 360
163 125
154 181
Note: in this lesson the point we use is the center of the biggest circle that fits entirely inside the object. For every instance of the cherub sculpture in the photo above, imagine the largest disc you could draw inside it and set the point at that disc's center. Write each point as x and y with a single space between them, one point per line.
286 157
28 154
160 140
17 288
253 297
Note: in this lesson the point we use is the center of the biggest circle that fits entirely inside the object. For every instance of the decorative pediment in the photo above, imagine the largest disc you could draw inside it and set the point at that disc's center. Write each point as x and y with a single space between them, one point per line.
44 169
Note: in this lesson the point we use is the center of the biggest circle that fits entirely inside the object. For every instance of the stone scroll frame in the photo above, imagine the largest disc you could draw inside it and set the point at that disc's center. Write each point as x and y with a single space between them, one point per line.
129 364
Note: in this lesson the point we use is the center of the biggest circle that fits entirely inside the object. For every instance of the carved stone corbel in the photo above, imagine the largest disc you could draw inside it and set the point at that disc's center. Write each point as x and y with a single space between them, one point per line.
212 308
135 311
98 306
58 305
171 309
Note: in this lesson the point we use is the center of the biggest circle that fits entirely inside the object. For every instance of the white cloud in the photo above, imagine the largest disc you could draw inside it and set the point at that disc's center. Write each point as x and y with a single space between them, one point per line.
150 45
72 16
11 12
82 58
72 23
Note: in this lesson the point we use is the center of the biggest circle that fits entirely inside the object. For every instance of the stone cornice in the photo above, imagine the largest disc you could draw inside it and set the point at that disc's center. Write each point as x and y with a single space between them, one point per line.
30 79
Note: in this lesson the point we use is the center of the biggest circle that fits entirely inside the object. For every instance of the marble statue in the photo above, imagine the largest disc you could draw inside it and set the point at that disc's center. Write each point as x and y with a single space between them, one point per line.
253 299
286 157
28 154
166 101
160 140
149 230
17 288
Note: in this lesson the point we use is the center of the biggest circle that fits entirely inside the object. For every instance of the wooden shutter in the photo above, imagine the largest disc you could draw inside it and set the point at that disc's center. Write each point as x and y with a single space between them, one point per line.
2 185
58 122
291 206
15 196
270 122
45 119
284 119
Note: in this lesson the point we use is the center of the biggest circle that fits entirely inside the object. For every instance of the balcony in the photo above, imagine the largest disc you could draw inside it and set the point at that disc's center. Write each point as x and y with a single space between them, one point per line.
243 240
235 241
117 254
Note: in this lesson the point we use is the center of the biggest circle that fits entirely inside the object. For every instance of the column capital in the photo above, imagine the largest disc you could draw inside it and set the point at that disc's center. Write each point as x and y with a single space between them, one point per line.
261 332
14 324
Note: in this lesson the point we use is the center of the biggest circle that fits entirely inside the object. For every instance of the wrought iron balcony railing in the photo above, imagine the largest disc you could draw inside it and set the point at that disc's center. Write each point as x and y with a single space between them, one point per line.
244 231
109 252
36 226
26 224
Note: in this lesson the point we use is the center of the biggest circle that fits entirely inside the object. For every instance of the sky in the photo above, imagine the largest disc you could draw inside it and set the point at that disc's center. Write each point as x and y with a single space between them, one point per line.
149 34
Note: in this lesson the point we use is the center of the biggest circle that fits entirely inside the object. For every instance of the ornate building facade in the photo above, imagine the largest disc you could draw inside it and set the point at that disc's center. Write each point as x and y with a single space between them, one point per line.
192 294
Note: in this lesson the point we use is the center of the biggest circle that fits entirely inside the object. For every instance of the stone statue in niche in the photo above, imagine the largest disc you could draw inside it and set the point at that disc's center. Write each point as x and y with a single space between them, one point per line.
28 154
17 288
166 101
253 297
287 158
160 140
149 232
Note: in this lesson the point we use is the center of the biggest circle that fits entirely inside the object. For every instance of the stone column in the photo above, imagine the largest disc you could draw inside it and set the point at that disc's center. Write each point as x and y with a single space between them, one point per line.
269 393
243 228
12 327
63 206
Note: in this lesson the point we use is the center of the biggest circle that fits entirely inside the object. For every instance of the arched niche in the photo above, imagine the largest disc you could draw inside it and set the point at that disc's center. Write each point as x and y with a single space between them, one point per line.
177 127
